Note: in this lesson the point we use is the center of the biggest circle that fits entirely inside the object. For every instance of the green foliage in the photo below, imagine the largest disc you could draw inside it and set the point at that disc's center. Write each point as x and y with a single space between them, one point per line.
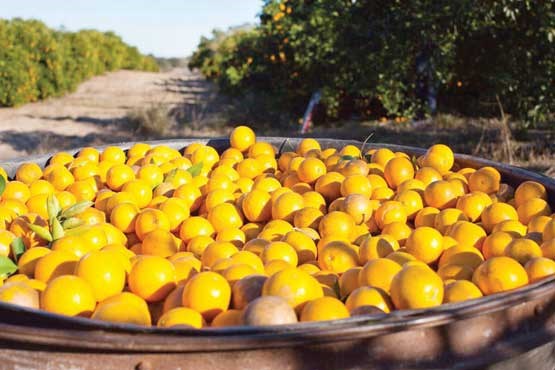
37 62
362 55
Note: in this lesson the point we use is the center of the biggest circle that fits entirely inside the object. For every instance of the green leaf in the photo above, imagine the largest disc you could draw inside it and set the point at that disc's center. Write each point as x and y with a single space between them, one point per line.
18 248
76 230
347 158
195 170
43 232
57 229
7 266
72 223
76 209
2 184
170 175
53 206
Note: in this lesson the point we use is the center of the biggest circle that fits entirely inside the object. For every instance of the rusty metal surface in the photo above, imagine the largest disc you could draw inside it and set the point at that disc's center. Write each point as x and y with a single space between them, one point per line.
518 325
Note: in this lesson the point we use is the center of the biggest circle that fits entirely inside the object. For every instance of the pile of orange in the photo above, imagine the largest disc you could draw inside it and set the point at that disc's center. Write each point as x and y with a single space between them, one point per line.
198 238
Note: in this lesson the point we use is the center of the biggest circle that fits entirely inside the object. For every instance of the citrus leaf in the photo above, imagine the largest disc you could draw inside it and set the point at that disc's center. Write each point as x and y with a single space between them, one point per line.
7 266
57 229
2 184
348 157
76 230
170 175
18 248
53 206
72 222
43 232
195 170
76 209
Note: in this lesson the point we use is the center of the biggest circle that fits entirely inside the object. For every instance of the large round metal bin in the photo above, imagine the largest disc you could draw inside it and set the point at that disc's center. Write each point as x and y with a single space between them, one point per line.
514 330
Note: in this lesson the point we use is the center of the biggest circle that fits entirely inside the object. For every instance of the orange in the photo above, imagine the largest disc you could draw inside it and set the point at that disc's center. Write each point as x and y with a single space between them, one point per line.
125 308
306 145
390 211
425 243
19 292
28 172
378 273
532 208
249 259
485 179
467 234
356 184
496 213
257 206
236 272
462 255
358 207
286 205
118 175
338 224
538 268
225 216
315 200
355 167
446 218
233 235
16 190
473 204
379 246
41 187
382 156
440 157
105 275
123 217
185 268
401 257
59 177
54 264
160 242
141 190
207 293
113 154
412 201
499 274
369 296
295 286
329 185
266 184
523 250
149 220
460 290
216 251
182 317
279 250
303 245
307 217
28 260
152 278
537 224
513 227
455 272
310 170
398 170
324 308
256 245
241 138
427 175
426 217
440 195
494 244
68 295
416 286
337 257
228 318
348 281
529 190
177 211
195 226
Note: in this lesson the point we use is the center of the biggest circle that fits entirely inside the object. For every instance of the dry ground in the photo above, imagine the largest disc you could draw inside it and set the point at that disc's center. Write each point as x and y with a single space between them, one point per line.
112 108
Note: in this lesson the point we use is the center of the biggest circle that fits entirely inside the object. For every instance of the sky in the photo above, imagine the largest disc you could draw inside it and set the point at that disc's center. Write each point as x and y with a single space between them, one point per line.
165 28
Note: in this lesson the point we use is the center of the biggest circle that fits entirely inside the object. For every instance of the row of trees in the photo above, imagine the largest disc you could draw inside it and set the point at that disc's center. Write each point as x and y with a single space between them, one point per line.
373 58
37 62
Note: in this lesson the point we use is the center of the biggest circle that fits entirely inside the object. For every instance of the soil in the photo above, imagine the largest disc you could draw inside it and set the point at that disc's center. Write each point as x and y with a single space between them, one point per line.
96 113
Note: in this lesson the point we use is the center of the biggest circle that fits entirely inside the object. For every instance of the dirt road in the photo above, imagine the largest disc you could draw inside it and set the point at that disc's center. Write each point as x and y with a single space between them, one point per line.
95 113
